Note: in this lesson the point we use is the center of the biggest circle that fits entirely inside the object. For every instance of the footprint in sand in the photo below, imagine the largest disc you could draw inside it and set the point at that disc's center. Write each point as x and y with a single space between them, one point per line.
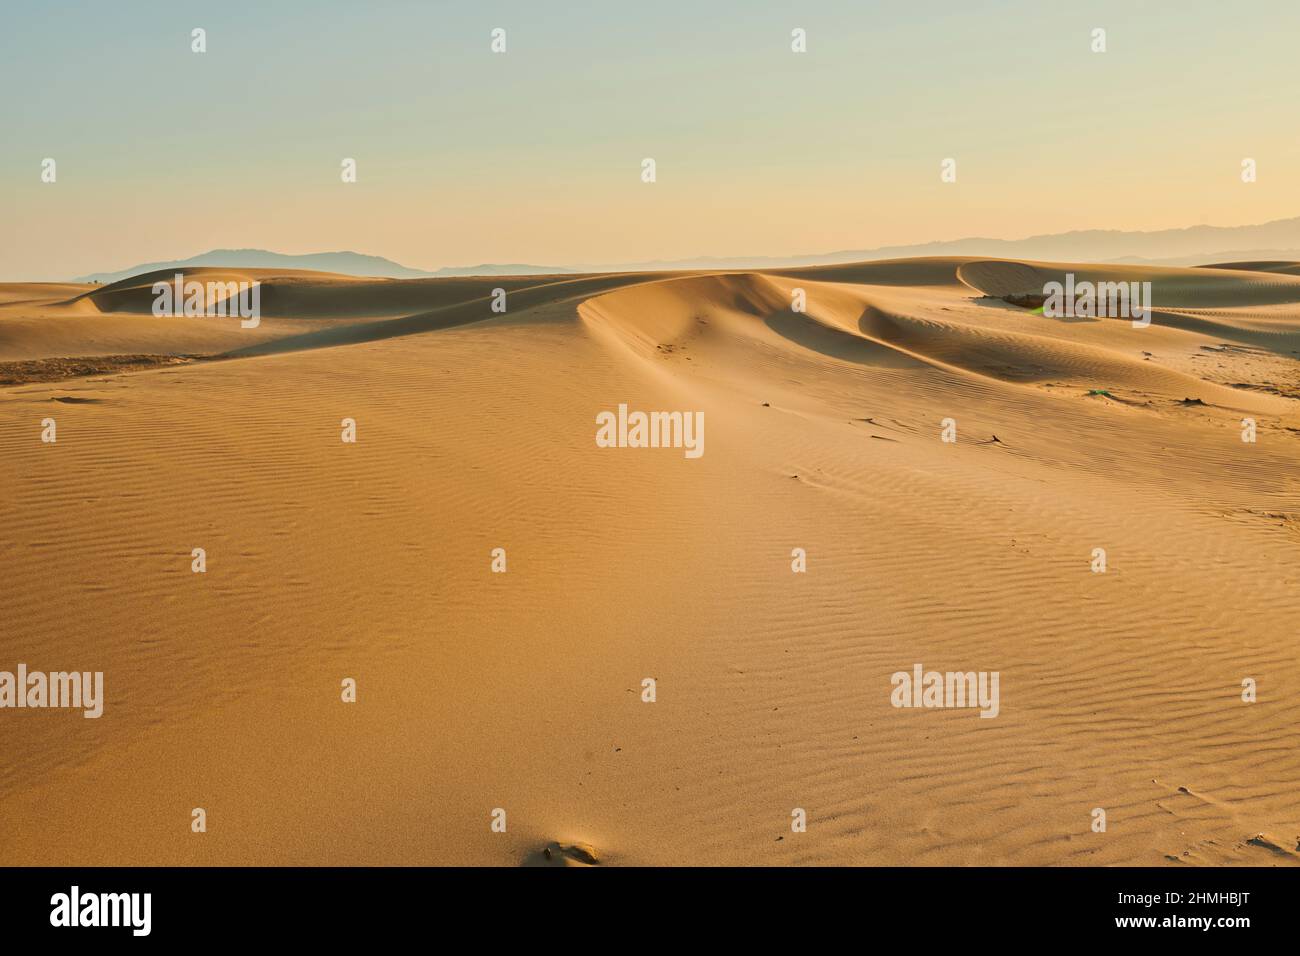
1266 842
561 854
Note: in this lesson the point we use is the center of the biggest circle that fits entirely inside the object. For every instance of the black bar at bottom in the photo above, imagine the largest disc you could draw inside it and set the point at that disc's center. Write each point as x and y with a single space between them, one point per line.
334 904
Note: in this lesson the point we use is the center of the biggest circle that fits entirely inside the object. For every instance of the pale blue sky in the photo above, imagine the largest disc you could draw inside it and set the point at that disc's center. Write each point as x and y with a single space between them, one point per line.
534 156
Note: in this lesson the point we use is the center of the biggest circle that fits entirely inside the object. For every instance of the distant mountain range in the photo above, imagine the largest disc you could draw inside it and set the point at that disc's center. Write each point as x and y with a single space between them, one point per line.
346 263
1195 245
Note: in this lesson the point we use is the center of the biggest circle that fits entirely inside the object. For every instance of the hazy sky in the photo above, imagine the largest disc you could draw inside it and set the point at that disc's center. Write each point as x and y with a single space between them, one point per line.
465 156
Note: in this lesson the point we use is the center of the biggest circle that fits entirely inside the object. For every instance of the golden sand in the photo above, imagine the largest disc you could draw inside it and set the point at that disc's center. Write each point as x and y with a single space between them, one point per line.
523 690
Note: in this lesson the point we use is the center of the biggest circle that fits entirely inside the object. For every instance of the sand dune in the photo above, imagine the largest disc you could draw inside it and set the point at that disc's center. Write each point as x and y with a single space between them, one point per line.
522 691
1283 268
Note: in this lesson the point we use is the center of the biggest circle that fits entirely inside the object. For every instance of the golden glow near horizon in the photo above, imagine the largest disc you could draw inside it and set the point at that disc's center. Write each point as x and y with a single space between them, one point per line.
533 155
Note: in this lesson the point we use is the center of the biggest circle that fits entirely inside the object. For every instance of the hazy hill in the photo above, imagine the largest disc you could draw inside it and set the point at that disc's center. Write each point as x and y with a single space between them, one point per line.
1195 245
346 263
